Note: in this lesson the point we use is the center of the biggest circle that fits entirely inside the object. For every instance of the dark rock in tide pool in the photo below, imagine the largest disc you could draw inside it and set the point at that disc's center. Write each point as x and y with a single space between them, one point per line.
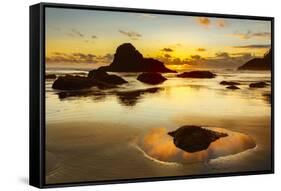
232 87
128 59
229 83
197 74
151 78
194 138
258 85
50 76
102 76
70 82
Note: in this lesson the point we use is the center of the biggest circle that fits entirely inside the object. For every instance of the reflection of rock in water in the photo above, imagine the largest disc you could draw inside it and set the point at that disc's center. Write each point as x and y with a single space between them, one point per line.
97 96
126 98
130 98
267 97
194 138
158 145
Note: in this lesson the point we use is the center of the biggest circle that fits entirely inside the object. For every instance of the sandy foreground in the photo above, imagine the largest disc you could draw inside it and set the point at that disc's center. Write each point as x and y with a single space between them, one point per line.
92 151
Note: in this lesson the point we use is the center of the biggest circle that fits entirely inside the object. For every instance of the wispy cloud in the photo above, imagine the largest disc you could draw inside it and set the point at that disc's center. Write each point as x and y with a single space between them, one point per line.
167 50
204 21
94 37
219 59
249 35
201 49
131 34
58 57
221 23
75 33
255 46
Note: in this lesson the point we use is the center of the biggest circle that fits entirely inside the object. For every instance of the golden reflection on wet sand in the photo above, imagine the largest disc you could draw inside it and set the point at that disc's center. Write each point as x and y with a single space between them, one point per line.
159 145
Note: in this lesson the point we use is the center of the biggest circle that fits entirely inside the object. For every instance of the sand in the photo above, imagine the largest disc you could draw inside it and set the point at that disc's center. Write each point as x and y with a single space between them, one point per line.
79 152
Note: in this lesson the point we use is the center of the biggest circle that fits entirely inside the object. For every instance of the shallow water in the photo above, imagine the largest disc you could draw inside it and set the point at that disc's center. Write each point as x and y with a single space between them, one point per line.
136 102
143 108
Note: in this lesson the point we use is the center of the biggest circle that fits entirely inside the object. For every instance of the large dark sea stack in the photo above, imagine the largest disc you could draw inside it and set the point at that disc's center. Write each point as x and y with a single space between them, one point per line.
258 63
197 74
194 138
151 78
128 59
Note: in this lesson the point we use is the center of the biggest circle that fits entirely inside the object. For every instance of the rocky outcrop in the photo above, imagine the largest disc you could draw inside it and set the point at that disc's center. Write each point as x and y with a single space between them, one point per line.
151 78
233 87
70 82
258 85
229 83
50 76
194 138
128 59
97 78
197 74
258 63
102 76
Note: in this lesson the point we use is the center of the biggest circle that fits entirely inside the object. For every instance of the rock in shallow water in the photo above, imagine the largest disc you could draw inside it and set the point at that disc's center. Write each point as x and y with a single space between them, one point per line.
102 76
194 138
232 87
197 74
70 82
258 85
50 76
229 83
151 78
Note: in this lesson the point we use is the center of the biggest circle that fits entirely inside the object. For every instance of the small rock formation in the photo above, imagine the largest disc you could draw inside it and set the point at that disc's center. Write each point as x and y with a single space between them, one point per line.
197 74
258 63
194 138
232 87
97 78
128 59
229 83
102 76
258 85
70 82
151 78
50 76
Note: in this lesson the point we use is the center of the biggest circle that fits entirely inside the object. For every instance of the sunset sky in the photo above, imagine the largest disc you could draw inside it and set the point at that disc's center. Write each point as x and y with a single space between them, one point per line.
91 37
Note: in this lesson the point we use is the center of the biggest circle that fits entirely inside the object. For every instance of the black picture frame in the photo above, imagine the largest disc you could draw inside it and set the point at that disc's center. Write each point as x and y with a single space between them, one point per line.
37 94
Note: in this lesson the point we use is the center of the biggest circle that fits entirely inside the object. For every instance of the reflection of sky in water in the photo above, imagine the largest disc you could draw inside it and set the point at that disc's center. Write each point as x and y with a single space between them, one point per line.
135 103
158 145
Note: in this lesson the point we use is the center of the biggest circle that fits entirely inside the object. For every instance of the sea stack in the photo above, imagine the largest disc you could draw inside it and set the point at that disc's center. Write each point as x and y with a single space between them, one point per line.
128 59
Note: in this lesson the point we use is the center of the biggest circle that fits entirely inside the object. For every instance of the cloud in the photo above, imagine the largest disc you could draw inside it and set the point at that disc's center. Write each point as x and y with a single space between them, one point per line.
201 49
204 21
131 34
94 37
195 57
222 55
167 56
254 46
250 35
58 57
219 60
167 50
75 33
221 23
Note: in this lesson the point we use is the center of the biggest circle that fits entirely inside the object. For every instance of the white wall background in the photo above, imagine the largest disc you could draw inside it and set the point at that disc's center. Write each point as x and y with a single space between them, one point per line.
14 53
